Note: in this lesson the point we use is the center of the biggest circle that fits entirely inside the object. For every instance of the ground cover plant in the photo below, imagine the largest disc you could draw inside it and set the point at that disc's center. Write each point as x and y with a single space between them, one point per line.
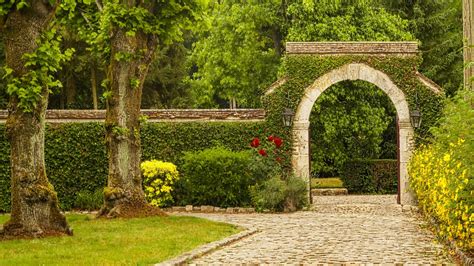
136 241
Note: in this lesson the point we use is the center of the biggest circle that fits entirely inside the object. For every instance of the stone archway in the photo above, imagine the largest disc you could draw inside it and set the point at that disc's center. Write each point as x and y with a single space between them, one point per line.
354 71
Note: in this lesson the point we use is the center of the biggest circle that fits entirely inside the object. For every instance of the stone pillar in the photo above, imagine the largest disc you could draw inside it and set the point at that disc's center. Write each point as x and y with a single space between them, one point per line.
406 141
300 158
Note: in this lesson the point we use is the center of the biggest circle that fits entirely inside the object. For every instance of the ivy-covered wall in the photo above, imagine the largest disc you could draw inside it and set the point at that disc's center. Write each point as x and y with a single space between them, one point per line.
302 70
76 158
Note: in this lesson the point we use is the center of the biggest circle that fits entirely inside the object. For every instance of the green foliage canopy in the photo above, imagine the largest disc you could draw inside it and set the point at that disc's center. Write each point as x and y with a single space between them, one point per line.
235 52
42 64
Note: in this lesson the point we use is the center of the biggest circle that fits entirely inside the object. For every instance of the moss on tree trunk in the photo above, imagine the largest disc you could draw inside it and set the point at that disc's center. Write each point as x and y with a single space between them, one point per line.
124 194
35 210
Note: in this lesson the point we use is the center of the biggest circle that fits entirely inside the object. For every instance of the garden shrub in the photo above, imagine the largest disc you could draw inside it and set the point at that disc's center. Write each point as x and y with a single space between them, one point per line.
218 177
269 195
85 200
158 180
76 156
278 189
442 173
279 193
296 193
370 176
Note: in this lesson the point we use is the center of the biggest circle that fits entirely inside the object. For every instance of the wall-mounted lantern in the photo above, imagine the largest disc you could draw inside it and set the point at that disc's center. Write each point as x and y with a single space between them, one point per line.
288 116
415 117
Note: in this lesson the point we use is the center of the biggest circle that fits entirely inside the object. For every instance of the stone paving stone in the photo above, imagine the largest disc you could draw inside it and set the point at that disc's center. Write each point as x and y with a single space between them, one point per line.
374 230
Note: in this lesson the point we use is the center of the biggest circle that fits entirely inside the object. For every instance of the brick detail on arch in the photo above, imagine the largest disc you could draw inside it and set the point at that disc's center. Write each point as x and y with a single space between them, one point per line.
354 71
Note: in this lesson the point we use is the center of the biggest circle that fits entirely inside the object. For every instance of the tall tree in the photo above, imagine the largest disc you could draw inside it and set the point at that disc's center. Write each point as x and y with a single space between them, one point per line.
438 27
132 30
32 57
468 28
237 51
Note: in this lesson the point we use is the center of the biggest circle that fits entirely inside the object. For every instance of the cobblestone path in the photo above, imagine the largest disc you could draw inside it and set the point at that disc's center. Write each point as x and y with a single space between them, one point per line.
341 229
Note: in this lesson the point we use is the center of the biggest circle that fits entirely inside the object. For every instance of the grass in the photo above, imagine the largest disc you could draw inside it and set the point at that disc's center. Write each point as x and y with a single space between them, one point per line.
330 182
115 242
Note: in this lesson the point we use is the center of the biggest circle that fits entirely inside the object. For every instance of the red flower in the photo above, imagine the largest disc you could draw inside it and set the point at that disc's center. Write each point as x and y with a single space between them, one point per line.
279 159
278 142
270 138
262 152
255 143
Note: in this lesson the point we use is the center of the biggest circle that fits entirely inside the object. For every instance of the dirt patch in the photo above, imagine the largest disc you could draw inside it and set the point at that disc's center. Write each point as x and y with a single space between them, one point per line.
132 211
129 211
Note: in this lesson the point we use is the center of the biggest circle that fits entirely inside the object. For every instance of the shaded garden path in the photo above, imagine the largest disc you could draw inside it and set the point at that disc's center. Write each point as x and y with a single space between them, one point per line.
342 229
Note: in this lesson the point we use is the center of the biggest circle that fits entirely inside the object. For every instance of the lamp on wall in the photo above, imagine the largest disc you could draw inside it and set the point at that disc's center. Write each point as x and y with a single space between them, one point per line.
415 115
288 115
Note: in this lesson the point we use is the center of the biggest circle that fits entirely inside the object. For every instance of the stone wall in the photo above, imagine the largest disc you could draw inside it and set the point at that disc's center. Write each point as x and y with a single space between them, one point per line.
341 48
154 115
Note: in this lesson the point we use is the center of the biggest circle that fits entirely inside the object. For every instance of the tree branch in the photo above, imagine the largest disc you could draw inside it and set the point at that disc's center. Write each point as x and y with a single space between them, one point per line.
99 5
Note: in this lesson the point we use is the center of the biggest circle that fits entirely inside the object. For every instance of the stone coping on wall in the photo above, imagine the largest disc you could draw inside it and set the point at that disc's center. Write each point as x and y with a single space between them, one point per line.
344 48
156 115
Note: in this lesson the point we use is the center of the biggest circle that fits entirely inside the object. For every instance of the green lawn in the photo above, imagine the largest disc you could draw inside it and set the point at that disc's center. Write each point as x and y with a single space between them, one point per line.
330 182
111 242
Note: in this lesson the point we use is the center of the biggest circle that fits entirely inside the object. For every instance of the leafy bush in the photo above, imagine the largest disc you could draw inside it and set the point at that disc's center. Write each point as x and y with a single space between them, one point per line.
217 177
76 156
370 176
270 195
270 157
158 180
276 194
86 200
296 193
442 173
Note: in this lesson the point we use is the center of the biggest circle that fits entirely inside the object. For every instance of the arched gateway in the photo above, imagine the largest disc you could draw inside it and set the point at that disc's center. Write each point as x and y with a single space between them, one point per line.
391 66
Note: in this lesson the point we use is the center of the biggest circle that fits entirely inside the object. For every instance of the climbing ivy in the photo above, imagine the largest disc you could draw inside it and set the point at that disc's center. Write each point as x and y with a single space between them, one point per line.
302 70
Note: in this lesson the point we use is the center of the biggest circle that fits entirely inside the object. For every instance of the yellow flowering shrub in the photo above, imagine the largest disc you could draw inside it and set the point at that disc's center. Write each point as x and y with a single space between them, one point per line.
158 180
441 184
442 174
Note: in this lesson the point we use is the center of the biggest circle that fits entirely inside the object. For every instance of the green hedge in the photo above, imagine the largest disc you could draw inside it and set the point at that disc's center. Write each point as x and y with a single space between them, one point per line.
370 176
76 160
217 177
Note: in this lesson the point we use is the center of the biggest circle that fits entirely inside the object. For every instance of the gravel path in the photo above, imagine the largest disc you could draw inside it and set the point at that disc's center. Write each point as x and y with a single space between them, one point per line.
339 229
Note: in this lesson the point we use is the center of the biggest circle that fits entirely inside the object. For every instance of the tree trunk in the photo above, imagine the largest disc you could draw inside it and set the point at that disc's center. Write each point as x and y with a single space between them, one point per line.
35 210
468 28
94 86
71 91
124 194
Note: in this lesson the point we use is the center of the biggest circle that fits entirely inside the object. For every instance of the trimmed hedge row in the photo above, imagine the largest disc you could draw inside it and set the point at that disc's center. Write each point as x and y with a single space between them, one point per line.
217 177
370 176
76 157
